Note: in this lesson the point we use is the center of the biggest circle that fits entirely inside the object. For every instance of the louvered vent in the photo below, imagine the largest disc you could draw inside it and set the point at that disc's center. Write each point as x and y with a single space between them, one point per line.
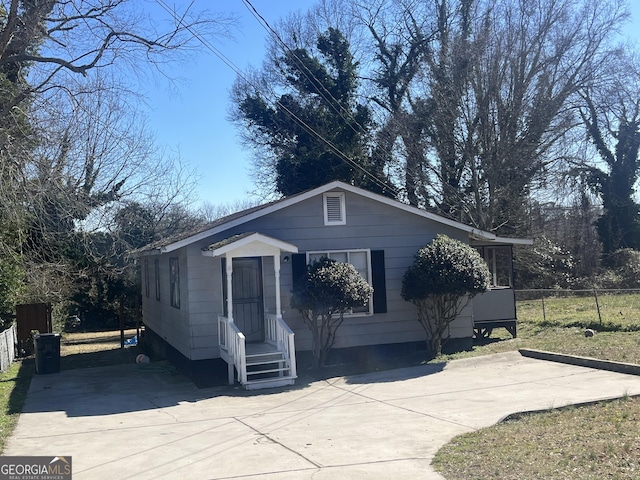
334 209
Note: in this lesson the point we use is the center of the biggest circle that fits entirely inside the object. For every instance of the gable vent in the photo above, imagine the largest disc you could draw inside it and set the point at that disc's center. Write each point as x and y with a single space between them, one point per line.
334 209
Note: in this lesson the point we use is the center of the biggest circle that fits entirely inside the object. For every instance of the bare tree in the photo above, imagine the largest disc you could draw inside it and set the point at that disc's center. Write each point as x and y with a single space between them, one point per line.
611 115
471 98
70 149
534 61
91 157
41 41
400 42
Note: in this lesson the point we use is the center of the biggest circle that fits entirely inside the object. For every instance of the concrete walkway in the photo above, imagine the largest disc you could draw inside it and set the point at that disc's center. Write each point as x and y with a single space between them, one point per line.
145 423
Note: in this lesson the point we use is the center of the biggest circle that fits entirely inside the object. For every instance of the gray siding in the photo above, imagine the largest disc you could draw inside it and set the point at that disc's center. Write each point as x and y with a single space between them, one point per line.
171 323
205 303
370 225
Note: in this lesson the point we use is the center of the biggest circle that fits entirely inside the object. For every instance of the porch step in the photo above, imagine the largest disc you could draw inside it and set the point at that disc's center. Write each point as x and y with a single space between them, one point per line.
272 370
265 358
266 367
272 382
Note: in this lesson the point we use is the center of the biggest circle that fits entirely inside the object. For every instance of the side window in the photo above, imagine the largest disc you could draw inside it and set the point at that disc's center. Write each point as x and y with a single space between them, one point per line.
146 278
499 261
156 265
174 281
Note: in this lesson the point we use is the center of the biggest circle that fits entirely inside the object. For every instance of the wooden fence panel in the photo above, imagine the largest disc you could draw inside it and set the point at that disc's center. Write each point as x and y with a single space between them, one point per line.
35 316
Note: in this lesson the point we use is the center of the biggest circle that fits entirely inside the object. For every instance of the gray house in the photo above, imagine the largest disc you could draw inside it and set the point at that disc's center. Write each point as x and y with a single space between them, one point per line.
223 292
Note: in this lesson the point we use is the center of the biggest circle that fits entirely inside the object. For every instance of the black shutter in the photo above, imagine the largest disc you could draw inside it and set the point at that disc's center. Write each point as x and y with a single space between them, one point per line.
298 266
378 279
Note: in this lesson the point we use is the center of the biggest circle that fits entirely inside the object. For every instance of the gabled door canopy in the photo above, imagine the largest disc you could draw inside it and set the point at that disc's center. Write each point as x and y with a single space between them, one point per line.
249 244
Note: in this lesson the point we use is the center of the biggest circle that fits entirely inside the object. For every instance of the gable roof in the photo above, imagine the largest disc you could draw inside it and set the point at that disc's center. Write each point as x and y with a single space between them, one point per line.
238 218
254 240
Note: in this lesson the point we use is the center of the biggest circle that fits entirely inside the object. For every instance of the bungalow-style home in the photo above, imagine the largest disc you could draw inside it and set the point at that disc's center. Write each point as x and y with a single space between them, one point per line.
224 292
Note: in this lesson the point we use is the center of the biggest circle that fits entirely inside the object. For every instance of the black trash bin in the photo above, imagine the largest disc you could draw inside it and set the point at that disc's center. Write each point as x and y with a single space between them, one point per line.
47 347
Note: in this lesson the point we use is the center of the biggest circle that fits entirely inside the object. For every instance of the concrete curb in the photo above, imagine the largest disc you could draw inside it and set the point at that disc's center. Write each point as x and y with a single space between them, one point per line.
619 367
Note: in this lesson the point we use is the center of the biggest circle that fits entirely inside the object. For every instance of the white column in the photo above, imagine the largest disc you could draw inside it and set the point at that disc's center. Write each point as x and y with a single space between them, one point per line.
276 267
229 286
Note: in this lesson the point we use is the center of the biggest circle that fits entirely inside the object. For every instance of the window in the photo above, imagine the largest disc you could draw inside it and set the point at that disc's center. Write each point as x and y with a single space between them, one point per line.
156 264
174 282
360 259
500 267
334 209
146 278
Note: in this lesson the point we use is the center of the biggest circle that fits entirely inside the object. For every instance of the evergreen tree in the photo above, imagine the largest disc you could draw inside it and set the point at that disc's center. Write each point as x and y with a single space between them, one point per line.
317 131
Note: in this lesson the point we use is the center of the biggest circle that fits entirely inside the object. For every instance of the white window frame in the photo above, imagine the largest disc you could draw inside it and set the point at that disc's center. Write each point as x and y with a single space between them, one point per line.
343 209
328 253
156 269
174 281
146 277
488 253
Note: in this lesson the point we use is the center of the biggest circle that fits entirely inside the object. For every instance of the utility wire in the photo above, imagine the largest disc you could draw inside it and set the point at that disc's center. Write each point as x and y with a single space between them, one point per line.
381 183
309 75
333 103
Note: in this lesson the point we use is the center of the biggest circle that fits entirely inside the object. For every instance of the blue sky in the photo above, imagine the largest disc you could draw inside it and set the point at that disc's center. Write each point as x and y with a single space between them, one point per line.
191 117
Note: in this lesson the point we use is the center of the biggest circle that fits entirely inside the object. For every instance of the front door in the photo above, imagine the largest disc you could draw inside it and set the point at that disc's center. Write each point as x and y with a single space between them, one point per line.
248 304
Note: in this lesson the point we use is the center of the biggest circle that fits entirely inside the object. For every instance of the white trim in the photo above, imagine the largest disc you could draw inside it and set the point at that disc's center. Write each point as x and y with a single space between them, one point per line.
479 242
514 241
369 278
255 244
474 233
330 211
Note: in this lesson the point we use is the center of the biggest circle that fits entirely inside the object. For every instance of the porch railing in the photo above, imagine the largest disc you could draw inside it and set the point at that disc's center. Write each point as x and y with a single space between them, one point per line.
278 334
232 342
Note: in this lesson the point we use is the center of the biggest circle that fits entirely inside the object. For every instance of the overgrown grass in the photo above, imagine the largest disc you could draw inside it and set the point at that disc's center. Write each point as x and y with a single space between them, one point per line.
562 329
606 312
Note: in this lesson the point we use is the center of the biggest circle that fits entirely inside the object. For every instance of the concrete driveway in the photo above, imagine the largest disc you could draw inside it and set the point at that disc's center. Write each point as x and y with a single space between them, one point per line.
147 423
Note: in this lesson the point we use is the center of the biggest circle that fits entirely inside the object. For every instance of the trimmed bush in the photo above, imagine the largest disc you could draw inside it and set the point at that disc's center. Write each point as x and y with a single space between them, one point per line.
328 290
445 275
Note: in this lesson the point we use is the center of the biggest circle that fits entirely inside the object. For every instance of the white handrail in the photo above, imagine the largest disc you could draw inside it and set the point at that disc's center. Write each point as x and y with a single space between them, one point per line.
278 333
232 340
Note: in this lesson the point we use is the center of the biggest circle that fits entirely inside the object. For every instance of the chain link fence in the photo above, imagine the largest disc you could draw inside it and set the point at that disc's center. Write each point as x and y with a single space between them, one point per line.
595 308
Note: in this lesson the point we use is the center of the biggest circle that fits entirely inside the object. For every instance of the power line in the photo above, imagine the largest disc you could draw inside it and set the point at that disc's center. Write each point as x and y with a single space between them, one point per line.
309 75
333 103
381 183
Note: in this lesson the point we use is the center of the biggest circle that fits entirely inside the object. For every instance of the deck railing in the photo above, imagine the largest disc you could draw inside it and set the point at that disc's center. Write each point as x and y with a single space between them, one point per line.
278 334
232 342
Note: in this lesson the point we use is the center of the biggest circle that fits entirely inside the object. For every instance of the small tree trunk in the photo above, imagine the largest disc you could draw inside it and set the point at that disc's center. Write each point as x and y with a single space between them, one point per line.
317 348
434 347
